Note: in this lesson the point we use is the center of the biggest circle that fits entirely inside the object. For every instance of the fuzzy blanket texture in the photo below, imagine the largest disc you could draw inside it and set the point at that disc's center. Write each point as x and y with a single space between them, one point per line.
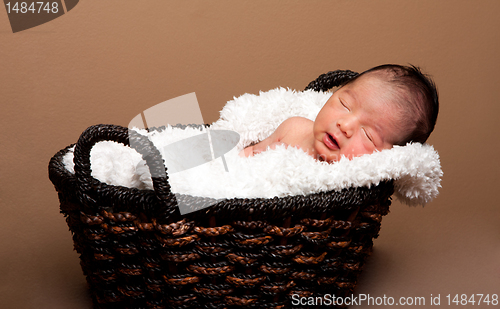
283 171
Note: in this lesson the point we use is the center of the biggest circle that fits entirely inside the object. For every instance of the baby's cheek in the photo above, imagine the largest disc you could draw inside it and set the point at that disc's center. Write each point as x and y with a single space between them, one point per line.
357 148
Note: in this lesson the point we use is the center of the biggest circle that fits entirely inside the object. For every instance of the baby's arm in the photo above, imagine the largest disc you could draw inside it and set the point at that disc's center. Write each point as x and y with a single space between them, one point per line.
261 146
271 141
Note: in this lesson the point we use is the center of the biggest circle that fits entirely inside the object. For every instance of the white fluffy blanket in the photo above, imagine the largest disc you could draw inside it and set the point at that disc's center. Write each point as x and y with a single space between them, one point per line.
284 171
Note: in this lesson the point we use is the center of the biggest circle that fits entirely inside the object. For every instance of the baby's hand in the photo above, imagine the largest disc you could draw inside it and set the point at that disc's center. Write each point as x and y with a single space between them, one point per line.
247 152
273 145
251 150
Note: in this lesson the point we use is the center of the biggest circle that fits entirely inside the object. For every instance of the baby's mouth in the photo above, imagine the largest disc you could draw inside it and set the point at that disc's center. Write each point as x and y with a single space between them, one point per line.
330 142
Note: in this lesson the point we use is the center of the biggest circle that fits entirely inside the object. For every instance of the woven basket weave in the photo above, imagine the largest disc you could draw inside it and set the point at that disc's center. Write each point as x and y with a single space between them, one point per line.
137 251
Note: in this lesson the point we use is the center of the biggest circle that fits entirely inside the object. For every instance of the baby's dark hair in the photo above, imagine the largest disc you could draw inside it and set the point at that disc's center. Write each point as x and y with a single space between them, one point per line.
419 98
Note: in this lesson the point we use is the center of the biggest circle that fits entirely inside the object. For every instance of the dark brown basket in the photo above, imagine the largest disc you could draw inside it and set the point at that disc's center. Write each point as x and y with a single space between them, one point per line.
137 251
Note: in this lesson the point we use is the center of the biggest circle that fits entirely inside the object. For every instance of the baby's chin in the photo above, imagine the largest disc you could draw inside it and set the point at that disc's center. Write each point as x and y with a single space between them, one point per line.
335 157
322 154
330 158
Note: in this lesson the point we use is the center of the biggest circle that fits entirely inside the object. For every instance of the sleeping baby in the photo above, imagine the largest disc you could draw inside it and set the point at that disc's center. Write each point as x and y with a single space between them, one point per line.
384 106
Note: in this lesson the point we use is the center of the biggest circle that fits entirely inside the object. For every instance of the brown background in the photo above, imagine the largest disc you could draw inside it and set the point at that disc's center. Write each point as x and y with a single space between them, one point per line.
106 61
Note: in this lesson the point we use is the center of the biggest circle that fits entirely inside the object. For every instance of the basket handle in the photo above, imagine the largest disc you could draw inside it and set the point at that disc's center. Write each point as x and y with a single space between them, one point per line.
331 79
140 143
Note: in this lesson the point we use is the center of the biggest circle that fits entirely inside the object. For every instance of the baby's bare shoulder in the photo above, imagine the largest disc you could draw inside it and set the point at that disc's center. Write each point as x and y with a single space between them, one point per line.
295 125
294 121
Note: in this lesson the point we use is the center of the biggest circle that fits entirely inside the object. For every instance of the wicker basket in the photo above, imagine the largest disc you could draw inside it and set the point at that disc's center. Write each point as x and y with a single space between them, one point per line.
137 251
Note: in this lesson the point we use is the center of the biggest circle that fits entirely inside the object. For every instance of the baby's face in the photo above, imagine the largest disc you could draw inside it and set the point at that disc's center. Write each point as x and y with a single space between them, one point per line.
358 119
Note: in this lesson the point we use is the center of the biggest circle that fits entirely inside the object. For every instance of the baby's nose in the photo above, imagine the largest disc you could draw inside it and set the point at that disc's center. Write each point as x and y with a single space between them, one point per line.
347 126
